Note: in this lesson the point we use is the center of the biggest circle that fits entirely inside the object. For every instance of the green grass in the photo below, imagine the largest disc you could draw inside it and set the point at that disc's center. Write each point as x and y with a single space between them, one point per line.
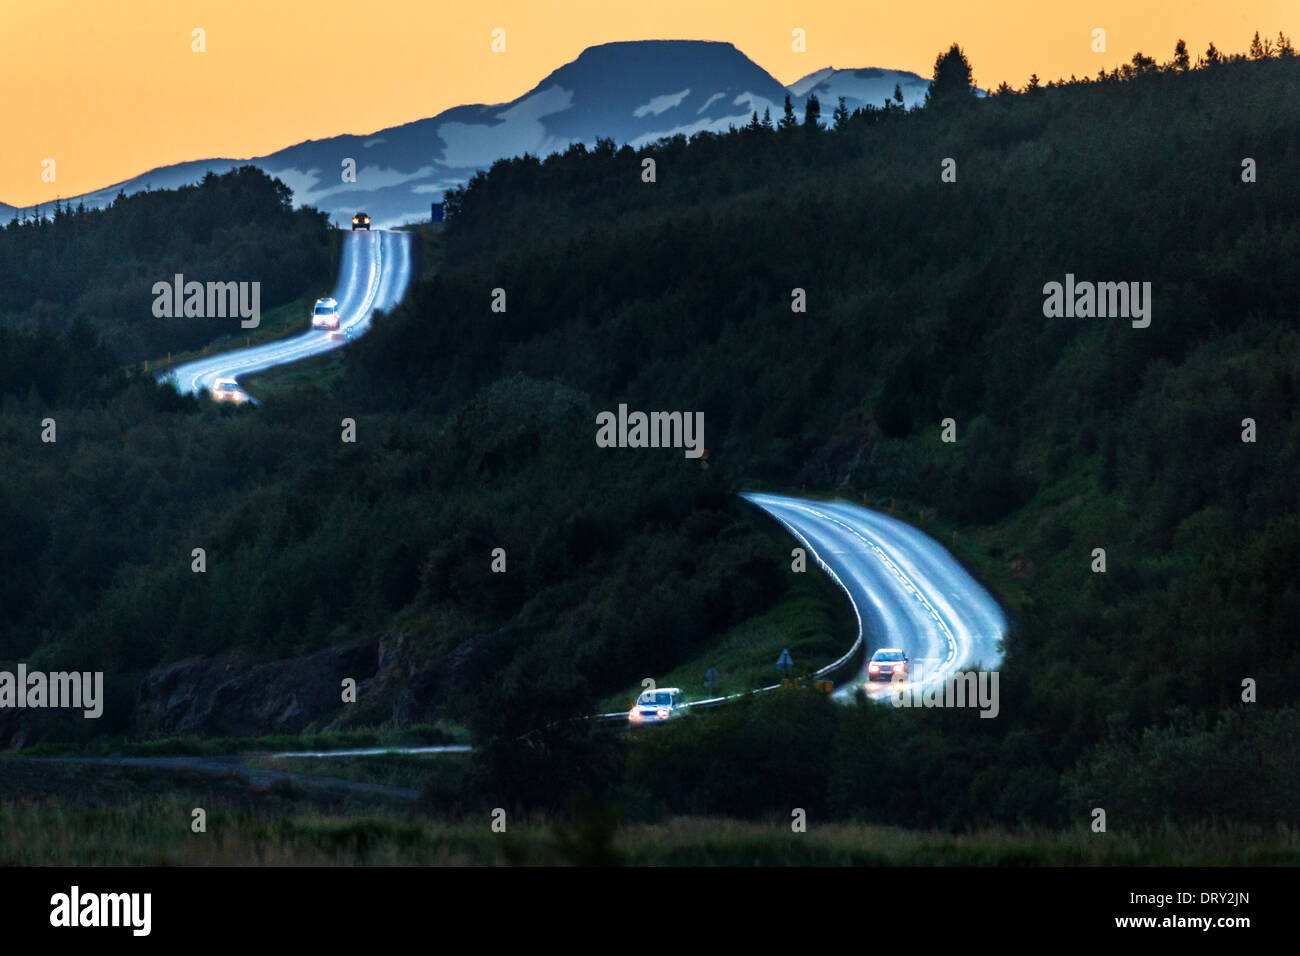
326 372
441 772
155 831
814 622
415 736
278 323
323 372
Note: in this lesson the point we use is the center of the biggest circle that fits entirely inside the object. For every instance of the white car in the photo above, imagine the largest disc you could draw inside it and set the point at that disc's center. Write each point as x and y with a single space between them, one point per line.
888 664
325 315
656 706
228 390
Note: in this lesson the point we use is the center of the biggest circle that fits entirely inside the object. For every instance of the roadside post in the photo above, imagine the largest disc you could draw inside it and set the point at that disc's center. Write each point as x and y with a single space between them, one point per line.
711 680
785 665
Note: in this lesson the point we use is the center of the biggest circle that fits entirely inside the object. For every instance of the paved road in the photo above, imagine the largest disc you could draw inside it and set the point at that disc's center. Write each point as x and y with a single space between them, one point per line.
373 274
907 589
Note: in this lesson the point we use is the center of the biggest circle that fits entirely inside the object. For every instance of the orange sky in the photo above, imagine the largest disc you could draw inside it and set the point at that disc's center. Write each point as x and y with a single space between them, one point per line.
110 88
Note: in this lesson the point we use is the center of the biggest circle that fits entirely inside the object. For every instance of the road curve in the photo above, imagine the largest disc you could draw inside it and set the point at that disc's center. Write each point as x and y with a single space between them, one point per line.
373 274
907 590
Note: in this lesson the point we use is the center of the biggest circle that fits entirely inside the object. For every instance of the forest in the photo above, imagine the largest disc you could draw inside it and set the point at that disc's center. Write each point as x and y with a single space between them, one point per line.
924 301
63 263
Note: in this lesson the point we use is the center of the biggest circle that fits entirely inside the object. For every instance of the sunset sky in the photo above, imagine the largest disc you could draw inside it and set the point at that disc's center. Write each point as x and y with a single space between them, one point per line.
111 88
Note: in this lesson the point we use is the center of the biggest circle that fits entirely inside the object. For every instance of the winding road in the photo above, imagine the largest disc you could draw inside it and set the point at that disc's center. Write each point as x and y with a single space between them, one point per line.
373 274
908 591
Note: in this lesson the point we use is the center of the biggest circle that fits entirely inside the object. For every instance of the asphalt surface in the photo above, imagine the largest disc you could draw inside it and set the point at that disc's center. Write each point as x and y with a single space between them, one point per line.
908 590
374 272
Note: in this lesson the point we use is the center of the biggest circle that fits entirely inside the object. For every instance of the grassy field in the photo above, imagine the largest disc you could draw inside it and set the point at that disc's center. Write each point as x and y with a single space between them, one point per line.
415 736
319 372
278 323
815 623
278 830
326 371
439 775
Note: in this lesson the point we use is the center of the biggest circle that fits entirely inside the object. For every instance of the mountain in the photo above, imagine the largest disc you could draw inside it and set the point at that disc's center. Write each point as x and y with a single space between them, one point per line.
870 87
632 92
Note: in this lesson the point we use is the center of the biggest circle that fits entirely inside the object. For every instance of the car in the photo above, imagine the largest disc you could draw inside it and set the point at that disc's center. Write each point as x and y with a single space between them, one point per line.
361 221
228 390
887 662
325 315
658 705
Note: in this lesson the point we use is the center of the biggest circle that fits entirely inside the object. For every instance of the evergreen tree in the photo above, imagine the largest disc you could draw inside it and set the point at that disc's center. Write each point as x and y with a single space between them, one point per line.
841 115
1181 60
812 113
788 121
767 117
952 83
1143 64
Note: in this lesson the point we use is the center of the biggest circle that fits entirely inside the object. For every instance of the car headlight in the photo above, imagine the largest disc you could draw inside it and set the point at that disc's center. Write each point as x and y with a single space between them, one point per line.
663 713
874 669
634 714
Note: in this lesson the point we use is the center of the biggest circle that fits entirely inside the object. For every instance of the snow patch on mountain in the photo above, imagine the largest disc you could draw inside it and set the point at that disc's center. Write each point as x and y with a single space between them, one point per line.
754 104
710 101
869 87
615 90
305 183
800 87
302 182
520 131
705 125
661 104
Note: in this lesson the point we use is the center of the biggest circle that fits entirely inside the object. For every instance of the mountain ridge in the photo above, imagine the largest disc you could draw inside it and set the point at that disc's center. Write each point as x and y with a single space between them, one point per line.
634 91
